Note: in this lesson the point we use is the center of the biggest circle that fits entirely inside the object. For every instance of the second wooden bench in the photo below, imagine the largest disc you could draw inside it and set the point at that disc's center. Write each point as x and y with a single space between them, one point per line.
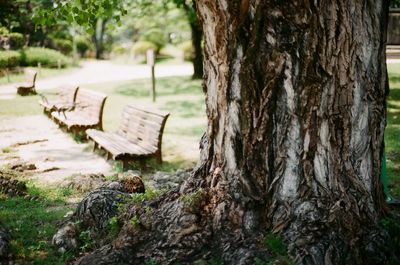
139 136
87 113
65 100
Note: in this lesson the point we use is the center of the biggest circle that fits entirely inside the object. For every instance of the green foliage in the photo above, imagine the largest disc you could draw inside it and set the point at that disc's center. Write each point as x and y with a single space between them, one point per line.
193 201
119 50
148 195
155 36
187 49
4 31
274 242
135 221
64 46
114 226
9 59
395 3
16 40
141 47
46 57
83 45
81 12
87 241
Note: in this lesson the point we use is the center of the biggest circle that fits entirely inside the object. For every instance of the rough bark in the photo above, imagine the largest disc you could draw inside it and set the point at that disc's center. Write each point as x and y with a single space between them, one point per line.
295 95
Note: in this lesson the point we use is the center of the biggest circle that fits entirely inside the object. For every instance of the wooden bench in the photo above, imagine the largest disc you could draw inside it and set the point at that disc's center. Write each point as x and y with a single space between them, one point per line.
28 87
139 136
65 100
87 113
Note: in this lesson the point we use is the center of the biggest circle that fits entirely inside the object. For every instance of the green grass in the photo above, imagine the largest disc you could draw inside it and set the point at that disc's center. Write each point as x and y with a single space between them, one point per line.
33 223
392 133
20 106
42 73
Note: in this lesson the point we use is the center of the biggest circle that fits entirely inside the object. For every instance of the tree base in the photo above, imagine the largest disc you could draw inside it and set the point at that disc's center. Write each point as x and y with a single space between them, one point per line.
191 228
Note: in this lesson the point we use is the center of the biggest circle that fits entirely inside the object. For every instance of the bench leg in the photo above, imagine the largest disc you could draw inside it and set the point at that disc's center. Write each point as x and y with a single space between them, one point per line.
125 164
94 146
142 163
159 158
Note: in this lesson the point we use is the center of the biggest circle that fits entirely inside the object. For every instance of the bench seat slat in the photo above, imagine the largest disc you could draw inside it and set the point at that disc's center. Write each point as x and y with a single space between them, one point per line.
116 144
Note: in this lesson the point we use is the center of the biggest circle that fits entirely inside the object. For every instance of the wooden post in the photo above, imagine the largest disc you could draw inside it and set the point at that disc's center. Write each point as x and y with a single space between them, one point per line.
8 75
151 61
39 65
59 64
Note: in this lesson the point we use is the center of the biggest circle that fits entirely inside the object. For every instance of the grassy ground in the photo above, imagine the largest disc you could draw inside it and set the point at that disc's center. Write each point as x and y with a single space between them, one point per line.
43 72
33 223
392 134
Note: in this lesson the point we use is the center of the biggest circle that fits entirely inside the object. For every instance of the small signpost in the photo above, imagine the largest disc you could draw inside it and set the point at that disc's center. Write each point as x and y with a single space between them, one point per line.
151 62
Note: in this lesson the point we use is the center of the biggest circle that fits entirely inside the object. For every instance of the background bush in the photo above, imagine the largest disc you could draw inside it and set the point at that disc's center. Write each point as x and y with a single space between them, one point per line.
83 45
46 57
64 46
187 49
141 47
155 36
9 59
16 40
119 50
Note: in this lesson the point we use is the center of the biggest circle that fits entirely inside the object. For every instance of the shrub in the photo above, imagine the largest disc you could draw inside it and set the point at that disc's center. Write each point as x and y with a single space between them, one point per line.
64 46
141 47
155 36
46 57
82 45
170 51
16 40
4 31
9 59
118 50
187 49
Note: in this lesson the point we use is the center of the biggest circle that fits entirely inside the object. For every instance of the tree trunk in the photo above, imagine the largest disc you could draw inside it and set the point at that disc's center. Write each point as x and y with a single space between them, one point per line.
197 56
296 108
295 95
98 37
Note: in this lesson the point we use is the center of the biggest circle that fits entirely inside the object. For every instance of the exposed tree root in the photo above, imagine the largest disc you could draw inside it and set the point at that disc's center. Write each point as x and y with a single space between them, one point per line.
174 229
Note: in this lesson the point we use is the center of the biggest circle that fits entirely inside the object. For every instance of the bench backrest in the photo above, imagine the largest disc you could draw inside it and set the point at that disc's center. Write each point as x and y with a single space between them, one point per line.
143 127
90 104
67 94
30 77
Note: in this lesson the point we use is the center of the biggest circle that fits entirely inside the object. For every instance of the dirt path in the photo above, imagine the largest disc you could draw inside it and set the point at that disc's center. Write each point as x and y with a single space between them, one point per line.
37 140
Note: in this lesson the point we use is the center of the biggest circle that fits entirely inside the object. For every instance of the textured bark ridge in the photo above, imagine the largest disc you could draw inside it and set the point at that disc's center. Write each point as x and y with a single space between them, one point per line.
295 95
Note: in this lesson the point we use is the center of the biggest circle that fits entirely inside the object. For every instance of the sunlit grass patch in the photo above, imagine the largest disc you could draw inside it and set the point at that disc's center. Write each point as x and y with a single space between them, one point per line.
392 133
33 222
